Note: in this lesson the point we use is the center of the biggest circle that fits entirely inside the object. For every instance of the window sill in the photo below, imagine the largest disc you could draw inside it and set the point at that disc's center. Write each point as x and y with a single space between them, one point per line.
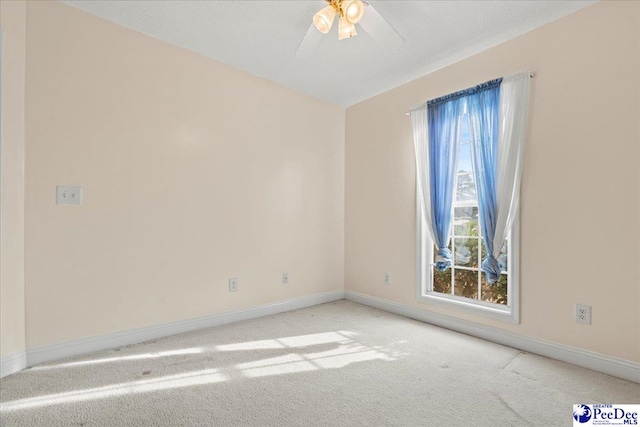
491 311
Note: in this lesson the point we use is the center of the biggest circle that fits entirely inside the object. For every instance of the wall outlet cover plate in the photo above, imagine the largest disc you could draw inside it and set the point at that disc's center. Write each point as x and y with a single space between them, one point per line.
233 284
69 195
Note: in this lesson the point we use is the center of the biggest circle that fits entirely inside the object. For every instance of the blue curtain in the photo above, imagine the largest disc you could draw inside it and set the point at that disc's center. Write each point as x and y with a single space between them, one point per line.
444 115
495 125
484 118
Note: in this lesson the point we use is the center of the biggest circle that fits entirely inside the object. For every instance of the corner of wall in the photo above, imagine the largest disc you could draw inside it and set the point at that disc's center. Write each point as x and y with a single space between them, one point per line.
12 147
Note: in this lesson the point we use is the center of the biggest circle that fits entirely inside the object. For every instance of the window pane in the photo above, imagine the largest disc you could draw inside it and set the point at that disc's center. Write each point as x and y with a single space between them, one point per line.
466 252
465 221
442 281
466 189
496 293
503 258
466 283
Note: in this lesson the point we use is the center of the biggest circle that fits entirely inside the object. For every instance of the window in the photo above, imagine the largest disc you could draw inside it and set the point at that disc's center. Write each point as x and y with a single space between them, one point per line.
464 286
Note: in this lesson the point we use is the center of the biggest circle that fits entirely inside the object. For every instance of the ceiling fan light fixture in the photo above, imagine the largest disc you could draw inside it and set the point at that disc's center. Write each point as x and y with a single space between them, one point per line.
345 29
350 13
353 10
323 20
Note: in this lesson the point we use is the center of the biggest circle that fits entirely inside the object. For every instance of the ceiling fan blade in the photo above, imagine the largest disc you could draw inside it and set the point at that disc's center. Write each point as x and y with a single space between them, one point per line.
309 42
380 30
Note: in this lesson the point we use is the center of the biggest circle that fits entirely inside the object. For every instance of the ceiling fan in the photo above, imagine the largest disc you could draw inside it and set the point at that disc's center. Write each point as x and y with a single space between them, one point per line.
349 13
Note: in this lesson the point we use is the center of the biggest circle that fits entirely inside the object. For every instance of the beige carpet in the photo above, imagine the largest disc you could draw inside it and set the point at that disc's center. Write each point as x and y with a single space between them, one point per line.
338 364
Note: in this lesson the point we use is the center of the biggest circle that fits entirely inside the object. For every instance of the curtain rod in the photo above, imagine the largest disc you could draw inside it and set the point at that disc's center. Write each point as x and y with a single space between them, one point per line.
532 75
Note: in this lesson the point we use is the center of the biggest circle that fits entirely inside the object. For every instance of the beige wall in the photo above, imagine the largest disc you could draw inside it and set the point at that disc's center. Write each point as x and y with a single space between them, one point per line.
580 190
12 321
193 172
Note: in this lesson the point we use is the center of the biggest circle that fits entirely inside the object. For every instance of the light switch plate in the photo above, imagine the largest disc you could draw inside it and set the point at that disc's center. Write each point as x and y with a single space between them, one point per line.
68 195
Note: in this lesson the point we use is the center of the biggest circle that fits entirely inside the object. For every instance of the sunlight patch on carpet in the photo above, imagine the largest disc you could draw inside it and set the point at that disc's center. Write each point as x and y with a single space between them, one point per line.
154 355
346 353
289 342
206 376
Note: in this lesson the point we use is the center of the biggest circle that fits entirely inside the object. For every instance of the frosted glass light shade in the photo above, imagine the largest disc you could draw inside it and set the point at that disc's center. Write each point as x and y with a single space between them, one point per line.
345 29
323 20
353 10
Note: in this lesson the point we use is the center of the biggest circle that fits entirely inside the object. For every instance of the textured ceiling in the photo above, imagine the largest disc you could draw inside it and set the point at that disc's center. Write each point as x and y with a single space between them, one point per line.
261 37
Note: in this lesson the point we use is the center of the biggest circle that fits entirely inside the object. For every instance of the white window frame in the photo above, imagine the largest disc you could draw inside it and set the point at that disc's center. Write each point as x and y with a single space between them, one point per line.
424 276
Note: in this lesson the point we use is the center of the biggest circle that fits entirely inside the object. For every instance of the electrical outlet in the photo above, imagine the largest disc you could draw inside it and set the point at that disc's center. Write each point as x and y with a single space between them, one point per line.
583 314
285 278
233 284
387 279
68 195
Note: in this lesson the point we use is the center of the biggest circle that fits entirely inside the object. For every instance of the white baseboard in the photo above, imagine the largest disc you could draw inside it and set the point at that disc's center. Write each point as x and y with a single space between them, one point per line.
12 363
82 346
587 359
